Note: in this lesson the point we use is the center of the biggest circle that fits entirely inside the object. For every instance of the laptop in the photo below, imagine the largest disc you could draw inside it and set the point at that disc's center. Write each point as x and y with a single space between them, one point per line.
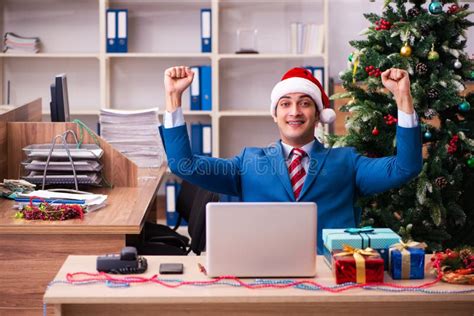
261 239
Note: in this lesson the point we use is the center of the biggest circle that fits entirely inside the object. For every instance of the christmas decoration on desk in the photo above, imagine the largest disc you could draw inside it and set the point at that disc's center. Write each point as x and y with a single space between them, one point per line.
436 7
464 106
407 260
357 265
455 266
406 50
50 212
439 217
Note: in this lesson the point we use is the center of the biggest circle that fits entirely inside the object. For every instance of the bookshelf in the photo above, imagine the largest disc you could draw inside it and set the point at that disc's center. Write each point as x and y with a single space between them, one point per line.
161 33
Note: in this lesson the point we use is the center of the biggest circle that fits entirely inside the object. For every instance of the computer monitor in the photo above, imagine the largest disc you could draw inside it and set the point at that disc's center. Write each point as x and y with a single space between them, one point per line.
59 104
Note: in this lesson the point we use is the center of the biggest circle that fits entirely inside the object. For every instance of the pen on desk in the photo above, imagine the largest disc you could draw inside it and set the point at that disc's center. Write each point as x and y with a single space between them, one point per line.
50 201
202 269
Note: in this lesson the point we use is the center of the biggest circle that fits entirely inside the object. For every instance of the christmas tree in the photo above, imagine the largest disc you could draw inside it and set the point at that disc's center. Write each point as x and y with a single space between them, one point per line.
427 40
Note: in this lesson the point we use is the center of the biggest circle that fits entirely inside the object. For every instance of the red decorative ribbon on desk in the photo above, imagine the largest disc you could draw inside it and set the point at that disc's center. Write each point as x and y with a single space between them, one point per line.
80 278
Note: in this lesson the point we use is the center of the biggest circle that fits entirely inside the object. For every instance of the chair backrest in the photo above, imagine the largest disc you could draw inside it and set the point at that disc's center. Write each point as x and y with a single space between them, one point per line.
197 219
185 199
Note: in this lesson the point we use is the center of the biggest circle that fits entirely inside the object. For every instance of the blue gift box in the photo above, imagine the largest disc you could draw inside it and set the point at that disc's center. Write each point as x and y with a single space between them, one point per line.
379 239
414 268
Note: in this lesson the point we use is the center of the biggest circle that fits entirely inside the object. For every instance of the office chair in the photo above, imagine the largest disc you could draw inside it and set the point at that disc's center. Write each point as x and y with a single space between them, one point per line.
158 239
197 220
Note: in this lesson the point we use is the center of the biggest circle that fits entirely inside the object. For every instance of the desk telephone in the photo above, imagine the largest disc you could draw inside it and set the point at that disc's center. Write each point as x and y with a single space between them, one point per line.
127 262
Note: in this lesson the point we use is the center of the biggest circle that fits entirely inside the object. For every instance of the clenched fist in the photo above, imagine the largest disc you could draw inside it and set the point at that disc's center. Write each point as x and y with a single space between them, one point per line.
397 81
177 79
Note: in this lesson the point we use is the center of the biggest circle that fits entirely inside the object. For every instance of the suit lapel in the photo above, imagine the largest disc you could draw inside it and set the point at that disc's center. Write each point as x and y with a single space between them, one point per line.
277 162
317 157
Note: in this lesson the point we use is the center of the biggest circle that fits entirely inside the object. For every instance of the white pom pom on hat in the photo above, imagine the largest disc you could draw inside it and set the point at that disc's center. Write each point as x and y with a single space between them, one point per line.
300 80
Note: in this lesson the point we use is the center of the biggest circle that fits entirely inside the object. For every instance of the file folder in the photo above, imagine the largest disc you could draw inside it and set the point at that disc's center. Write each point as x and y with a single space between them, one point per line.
318 73
206 31
206 140
206 88
117 30
196 138
196 89
111 30
171 197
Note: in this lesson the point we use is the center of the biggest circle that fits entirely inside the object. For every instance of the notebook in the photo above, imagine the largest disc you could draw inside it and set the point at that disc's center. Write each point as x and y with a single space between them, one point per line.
261 239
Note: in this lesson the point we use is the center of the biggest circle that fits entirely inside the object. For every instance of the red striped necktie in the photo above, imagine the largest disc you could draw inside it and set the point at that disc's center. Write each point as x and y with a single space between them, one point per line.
296 171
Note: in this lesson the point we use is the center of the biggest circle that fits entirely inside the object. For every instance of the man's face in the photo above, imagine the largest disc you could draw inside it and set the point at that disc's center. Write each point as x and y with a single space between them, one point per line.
296 117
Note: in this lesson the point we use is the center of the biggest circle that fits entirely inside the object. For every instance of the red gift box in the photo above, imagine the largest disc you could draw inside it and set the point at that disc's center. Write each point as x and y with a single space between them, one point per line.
357 265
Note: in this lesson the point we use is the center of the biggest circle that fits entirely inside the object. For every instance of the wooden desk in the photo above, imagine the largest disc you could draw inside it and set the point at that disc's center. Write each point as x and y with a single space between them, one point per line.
31 252
153 299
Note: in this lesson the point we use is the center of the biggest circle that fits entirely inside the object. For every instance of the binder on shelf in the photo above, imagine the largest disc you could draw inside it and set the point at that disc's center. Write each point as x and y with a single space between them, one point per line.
206 88
195 92
207 140
201 139
318 73
206 31
196 138
117 30
171 197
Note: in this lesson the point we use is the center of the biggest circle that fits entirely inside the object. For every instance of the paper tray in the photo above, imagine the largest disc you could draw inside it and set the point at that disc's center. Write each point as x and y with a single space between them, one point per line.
36 177
87 151
65 165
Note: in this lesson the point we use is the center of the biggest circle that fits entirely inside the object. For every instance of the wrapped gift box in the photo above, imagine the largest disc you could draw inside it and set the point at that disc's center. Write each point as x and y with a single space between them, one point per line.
346 269
379 239
407 263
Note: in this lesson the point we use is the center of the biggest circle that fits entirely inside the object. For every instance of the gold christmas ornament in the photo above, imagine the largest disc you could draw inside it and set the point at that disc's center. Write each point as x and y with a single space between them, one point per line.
405 51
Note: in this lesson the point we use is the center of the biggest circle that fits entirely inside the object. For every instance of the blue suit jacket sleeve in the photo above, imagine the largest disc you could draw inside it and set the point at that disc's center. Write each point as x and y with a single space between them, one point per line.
375 175
213 174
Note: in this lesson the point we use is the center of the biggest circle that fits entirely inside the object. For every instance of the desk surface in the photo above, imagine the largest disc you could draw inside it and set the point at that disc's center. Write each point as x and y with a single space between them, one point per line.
156 294
124 213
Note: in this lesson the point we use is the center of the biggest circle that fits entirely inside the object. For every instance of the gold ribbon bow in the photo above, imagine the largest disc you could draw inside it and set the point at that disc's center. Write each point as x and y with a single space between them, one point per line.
403 248
359 258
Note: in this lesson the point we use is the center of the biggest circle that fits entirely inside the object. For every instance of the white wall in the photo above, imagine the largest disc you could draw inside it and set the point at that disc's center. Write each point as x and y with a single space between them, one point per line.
346 20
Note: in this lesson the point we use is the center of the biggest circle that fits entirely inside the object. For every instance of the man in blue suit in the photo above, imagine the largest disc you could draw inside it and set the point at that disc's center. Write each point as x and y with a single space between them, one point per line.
298 167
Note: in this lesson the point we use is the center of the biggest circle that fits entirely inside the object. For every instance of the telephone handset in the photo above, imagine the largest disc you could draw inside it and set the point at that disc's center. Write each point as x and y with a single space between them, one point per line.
127 262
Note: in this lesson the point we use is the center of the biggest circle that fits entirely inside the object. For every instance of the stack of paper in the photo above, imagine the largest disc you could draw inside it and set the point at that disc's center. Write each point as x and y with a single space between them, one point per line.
18 44
92 202
135 134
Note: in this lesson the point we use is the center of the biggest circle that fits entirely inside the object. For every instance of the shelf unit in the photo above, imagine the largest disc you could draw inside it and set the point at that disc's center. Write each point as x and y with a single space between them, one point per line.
162 33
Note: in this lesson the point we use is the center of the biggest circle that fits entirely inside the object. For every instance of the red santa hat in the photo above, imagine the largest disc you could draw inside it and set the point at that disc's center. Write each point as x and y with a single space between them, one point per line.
300 80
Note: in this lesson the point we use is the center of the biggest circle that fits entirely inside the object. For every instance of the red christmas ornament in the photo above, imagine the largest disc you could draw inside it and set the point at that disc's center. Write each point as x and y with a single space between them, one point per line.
375 131
452 147
453 9
382 24
372 71
390 120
